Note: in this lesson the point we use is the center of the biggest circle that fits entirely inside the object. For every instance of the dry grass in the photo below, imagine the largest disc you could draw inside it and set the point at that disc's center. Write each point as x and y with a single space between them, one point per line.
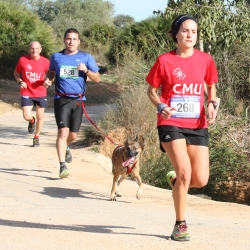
119 137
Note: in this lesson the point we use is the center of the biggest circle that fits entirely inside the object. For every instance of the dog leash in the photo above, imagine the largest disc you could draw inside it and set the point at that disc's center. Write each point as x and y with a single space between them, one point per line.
87 116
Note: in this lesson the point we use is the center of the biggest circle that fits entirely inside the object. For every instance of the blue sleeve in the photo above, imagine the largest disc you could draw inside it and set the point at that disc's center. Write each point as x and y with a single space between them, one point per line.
91 64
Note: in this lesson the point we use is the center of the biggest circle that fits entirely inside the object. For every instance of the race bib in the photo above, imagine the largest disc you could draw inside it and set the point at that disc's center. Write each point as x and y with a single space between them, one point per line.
187 107
69 71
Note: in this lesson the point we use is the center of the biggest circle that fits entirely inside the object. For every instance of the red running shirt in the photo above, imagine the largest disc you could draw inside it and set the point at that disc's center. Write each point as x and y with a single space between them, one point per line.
33 72
182 86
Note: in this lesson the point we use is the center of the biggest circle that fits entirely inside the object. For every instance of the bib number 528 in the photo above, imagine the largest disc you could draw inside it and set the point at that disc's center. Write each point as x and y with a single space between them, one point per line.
68 72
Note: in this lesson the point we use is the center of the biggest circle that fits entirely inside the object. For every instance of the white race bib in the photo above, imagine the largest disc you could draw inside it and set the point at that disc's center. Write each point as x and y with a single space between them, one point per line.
69 71
187 107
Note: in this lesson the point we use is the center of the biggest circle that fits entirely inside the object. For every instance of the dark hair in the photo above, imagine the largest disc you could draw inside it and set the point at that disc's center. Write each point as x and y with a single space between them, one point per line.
177 24
71 30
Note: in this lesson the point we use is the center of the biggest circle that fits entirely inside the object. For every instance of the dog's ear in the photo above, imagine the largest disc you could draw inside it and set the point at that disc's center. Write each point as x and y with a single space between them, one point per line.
128 137
142 142
126 140
128 130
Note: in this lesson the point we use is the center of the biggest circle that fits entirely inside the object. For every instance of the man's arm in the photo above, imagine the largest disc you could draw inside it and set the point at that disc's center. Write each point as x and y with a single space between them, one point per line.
50 75
49 78
17 77
93 76
20 80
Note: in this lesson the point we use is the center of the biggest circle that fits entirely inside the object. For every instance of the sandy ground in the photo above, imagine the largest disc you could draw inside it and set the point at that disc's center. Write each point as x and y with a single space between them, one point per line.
40 211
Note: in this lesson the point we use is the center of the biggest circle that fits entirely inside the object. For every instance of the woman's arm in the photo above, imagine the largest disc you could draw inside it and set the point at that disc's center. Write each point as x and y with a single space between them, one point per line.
152 95
162 108
211 93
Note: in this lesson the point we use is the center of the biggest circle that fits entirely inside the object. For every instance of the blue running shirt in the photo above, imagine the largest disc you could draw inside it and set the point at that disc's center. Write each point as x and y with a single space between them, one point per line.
69 80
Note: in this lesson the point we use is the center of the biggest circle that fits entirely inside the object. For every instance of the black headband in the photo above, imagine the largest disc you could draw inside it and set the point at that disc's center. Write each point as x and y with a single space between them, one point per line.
179 20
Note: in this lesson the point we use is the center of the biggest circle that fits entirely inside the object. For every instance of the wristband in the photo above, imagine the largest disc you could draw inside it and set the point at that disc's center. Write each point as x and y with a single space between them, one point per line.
20 82
87 71
214 103
161 106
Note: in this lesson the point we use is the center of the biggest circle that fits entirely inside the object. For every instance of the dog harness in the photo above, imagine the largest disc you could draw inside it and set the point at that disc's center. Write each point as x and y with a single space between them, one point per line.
129 163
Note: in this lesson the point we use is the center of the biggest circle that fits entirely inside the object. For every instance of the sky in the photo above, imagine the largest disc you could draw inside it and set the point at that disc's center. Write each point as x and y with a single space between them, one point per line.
138 9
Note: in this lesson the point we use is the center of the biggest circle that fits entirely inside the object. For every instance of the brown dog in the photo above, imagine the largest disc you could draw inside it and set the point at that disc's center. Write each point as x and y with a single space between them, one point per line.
125 161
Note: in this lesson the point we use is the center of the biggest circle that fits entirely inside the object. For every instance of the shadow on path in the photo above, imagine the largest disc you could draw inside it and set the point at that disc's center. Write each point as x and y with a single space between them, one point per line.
63 193
15 171
79 228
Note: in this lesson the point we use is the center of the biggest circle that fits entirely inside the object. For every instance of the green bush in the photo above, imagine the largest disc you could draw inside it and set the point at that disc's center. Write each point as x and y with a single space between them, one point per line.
234 77
97 40
18 27
148 38
100 33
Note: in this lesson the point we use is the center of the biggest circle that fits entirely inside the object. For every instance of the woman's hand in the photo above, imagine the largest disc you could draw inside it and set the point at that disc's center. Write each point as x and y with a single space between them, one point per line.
211 113
167 112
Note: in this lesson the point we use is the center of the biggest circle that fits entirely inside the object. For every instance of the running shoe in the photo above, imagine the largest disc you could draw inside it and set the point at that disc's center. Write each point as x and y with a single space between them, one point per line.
31 126
180 232
64 172
36 142
68 156
170 177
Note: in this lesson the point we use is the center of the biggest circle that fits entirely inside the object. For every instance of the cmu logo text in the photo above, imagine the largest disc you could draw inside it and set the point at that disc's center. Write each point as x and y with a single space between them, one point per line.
188 89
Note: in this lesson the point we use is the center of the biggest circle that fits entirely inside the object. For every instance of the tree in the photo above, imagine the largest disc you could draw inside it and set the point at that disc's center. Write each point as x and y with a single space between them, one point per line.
18 27
121 21
97 40
82 14
47 11
147 38
78 14
220 22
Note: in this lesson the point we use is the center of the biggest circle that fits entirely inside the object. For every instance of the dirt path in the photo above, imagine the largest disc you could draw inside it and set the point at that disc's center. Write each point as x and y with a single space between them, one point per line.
40 211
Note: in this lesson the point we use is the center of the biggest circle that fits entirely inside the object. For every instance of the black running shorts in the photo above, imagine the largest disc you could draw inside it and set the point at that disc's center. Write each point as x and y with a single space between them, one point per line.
193 136
33 101
68 113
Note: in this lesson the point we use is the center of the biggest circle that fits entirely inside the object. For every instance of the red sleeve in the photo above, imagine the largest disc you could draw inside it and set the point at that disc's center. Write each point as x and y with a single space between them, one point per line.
19 67
211 73
154 76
